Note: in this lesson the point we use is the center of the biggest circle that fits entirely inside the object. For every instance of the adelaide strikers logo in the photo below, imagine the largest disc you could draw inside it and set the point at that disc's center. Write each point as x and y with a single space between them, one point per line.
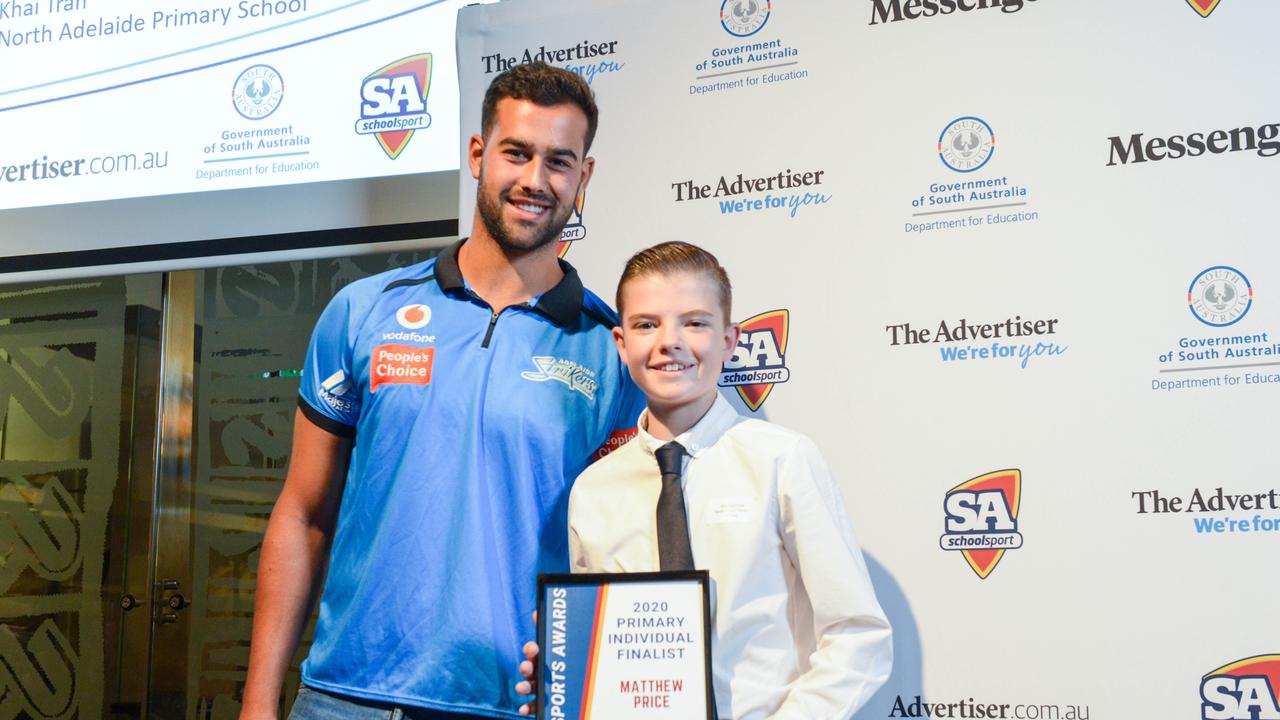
759 362
966 144
1243 690
257 92
394 103
1204 7
982 519
744 17
1220 296
574 230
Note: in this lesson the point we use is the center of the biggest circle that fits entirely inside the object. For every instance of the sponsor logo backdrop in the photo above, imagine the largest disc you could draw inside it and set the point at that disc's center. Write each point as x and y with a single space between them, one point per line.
1011 265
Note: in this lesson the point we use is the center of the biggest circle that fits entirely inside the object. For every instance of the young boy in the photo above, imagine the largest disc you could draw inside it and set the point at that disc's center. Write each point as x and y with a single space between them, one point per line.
797 629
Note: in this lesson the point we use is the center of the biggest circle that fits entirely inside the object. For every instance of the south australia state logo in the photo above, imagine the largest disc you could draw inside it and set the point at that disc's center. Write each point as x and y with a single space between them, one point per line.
982 519
393 103
1243 690
759 362
1204 7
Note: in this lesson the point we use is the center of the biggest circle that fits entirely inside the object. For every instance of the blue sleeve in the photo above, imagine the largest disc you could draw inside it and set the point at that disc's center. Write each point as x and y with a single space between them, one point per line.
329 394
627 406
631 403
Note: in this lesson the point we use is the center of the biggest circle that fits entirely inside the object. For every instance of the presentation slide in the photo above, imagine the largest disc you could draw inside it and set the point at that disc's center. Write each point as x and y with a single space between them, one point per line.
110 99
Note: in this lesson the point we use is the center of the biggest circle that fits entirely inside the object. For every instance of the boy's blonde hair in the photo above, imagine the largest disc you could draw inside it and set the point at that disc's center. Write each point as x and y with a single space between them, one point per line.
676 256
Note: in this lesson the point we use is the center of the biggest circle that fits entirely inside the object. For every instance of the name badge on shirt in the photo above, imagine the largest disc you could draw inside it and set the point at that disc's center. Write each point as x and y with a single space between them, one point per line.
728 510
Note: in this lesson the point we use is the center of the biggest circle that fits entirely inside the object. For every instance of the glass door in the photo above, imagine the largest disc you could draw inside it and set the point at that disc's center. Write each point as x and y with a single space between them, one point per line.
77 378
145 429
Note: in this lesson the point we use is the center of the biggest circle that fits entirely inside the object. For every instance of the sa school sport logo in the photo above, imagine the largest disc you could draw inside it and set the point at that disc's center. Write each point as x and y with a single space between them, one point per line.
1220 296
574 230
257 92
743 18
1243 690
393 103
966 144
1204 7
982 519
759 362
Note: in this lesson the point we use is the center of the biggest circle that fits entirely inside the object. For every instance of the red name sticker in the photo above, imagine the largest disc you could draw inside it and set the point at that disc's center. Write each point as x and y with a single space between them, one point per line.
400 365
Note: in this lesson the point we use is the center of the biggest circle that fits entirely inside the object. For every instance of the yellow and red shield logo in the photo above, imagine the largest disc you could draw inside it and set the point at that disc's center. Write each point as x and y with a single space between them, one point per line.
1243 690
982 519
394 103
1204 7
574 230
759 362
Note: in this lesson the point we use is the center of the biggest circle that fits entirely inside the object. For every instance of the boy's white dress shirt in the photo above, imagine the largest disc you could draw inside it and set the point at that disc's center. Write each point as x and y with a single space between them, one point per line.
798 633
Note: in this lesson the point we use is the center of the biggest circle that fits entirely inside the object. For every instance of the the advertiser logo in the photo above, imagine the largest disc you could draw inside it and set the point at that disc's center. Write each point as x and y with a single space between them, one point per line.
257 92
334 391
1220 296
413 317
588 58
574 230
400 365
962 341
1246 689
743 18
760 360
890 11
394 103
1216 511
1264 140
966 145
982 519
1204 7
785 192
980 709
576 377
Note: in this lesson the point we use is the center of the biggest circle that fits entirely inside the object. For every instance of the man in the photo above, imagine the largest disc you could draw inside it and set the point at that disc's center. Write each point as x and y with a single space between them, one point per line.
444 410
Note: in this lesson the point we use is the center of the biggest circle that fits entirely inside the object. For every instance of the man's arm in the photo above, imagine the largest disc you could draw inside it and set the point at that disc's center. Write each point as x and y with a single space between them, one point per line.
294 552
854 653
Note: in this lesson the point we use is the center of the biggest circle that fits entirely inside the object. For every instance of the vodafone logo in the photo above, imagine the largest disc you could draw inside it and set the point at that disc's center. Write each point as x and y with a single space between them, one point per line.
413 317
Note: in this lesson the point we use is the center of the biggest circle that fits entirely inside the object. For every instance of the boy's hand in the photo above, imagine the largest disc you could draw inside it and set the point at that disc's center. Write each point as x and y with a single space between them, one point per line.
529 686
529 669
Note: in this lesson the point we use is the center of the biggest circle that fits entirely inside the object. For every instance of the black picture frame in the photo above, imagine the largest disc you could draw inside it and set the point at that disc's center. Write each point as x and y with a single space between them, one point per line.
552 580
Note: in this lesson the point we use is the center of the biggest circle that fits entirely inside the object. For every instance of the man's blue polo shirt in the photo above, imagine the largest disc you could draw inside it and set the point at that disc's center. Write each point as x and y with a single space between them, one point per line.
469 429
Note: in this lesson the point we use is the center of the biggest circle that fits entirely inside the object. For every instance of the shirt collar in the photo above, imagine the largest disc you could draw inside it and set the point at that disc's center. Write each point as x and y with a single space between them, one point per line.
561 304
698 438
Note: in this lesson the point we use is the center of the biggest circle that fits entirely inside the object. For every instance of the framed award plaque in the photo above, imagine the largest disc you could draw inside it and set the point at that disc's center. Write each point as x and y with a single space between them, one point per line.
624 646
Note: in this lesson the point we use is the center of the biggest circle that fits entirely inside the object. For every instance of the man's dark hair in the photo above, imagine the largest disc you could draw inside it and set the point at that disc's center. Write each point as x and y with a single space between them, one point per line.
544 85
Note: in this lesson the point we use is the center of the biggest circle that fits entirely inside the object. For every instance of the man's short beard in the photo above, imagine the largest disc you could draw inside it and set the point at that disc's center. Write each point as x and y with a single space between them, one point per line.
491 216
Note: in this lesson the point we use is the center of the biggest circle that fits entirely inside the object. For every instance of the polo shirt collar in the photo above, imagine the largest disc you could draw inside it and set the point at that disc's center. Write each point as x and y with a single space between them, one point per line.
561 304
698 438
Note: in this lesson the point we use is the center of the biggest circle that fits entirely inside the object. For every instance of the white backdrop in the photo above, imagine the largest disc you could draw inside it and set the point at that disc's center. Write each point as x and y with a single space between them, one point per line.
1108 609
